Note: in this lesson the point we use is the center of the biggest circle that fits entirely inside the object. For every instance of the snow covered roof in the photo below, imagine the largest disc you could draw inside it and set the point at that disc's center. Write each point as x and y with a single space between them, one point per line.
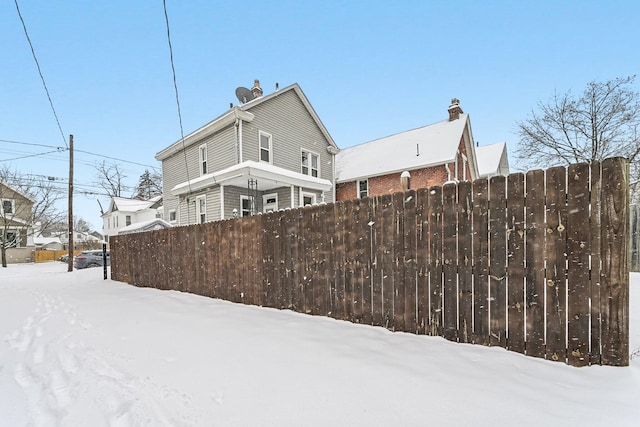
270 177
426 146
488 157
131 205
152 224
43 241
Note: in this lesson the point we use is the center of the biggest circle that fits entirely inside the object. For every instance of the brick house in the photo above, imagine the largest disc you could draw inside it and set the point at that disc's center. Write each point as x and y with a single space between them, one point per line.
432 155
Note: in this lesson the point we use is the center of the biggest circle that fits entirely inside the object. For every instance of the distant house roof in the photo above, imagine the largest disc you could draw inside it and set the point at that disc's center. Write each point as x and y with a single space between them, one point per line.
490 158
20 192
422 147
138 227
242 112
44 241
132 205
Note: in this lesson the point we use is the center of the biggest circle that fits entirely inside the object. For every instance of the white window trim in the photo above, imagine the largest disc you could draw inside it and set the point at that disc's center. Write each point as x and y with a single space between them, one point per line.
313 196
260 134
309 154
203 159
358 187
198 213
13 206
268 196
247 198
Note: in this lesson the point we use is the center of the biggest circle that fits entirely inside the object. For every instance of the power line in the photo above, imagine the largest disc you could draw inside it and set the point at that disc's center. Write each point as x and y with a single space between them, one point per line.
60 149
175 86
33 52
31 155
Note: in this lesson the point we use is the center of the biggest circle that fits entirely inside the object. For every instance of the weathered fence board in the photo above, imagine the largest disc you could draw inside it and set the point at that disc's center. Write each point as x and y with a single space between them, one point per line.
614 289
535 256
555 272
515 267
498 261
578 265
450 262
481 261
534 263
435 261
422 258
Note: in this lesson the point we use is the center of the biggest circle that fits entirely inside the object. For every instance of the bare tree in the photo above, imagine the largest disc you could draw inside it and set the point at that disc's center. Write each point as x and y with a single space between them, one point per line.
603 122
26 201
79 224
111 178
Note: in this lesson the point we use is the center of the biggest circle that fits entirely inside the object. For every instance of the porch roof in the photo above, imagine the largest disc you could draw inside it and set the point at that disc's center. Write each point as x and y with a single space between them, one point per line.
267 176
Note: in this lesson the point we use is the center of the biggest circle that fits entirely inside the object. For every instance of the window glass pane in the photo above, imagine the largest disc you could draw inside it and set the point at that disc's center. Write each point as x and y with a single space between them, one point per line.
314 162
264 155
264 141
314 172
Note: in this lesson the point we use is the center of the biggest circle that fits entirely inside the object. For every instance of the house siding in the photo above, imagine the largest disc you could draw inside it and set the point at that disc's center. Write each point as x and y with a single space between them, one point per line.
292 129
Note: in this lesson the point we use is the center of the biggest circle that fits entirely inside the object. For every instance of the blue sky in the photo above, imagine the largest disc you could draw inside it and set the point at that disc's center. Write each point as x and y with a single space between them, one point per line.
369 68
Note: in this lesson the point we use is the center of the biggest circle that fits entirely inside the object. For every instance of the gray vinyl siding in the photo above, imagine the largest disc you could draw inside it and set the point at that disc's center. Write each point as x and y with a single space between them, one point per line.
187 208
182 166
292 129
232 198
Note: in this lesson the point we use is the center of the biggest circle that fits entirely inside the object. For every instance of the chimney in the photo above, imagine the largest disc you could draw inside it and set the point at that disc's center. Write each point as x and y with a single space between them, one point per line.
454 109
256 90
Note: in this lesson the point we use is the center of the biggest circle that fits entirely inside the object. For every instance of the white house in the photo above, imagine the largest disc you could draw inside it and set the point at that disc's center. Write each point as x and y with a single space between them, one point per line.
124 212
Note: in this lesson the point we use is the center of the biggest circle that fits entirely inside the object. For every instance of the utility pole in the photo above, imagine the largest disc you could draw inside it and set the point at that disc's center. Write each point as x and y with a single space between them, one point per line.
70 260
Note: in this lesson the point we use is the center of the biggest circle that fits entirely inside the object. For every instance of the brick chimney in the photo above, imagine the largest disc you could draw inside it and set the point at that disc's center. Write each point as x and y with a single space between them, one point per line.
256 90
454 109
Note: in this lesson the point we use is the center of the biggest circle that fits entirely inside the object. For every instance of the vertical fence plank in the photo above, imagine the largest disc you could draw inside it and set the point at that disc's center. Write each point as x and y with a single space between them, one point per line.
555 303
578 265
320 282
327 231
480 262
498 262
377 270
387 261
515 270
465 259
449 262
409 262
340 261
615 268
357 266
349 270
397 272
595 230
535 252
422 257
365 261
435 261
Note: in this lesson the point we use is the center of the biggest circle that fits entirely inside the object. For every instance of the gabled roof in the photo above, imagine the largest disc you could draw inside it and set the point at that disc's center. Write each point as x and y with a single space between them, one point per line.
152 224
131 205
489 157
15 190
430 145
242 112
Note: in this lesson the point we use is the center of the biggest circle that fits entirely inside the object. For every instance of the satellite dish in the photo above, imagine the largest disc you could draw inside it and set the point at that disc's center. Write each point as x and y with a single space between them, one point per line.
244 95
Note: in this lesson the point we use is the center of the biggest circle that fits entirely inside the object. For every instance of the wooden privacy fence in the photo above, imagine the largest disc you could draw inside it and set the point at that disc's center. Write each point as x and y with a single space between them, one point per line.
534 263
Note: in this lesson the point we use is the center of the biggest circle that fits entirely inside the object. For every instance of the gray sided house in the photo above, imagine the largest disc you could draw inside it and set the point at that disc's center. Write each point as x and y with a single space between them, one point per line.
271 152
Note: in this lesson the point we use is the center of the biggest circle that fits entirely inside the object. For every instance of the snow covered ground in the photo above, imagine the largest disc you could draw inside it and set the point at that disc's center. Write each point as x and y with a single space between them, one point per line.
76 350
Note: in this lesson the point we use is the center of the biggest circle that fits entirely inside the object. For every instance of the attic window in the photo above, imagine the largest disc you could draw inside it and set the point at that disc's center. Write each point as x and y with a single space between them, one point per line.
265 147
7 206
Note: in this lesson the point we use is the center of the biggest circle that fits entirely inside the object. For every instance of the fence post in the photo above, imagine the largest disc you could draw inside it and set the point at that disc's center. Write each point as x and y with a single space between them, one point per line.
615 265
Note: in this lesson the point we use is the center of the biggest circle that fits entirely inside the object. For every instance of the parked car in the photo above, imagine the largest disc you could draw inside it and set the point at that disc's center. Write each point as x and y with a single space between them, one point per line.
64 258
90 259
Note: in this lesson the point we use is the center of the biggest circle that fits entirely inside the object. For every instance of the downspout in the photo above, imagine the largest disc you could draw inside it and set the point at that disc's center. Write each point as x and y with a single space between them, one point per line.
446 166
